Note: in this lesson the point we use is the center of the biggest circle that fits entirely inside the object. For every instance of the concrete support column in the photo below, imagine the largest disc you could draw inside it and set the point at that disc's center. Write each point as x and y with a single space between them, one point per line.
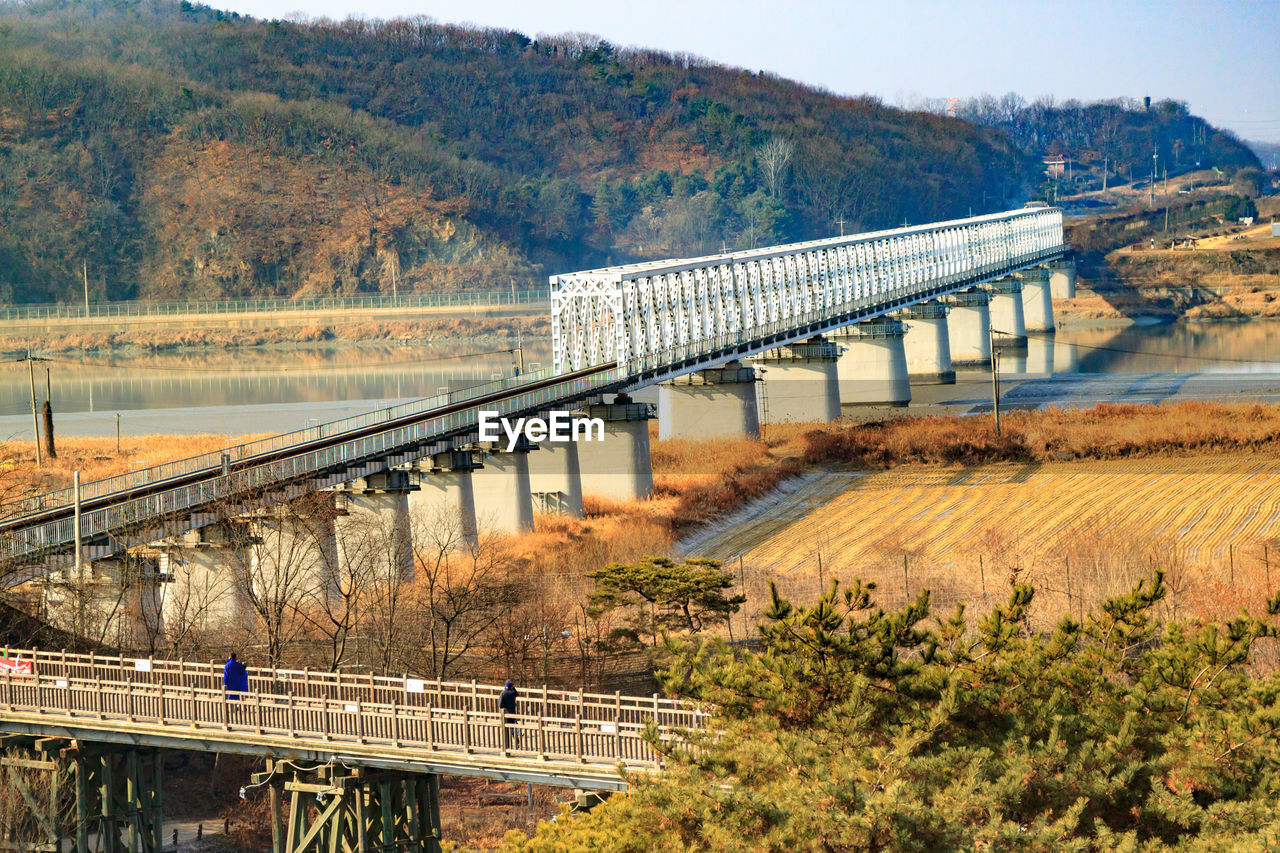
1062 279
201 592
969 327
444 506
619 467
873 367
719 402
1037 302
800 383
1006 313
373 528
555 478
295 549
504 498
927 344
116 598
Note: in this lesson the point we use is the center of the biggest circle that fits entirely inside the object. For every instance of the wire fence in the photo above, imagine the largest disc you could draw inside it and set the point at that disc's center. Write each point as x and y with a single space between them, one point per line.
476 299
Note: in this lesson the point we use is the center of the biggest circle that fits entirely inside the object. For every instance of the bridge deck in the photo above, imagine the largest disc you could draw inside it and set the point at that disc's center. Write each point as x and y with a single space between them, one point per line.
560 737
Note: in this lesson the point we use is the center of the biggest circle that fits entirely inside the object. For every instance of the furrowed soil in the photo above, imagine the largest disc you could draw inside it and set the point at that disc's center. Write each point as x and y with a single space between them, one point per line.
1078 531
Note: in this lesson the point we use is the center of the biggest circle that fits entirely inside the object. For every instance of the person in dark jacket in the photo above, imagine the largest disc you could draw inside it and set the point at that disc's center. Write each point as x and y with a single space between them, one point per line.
235 678
507 705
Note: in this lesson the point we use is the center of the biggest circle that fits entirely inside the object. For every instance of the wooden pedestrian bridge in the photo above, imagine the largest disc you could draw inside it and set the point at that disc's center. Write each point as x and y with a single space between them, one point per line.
389 738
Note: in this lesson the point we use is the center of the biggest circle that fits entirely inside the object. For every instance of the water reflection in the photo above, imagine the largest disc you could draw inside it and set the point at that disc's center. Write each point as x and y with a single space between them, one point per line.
314 375
251 376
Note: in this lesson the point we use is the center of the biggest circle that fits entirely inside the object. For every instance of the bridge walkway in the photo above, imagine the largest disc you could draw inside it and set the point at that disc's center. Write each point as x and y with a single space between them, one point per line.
567 738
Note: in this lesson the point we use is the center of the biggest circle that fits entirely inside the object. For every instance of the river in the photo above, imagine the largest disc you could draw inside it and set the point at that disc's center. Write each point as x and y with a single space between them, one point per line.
256 390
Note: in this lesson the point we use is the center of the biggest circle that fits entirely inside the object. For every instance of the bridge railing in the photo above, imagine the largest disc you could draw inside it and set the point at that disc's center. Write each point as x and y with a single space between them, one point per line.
257 477
254 717
402 691
237 453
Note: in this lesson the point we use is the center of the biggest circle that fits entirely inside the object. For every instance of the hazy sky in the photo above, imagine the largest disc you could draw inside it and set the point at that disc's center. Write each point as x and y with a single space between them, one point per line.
1221 56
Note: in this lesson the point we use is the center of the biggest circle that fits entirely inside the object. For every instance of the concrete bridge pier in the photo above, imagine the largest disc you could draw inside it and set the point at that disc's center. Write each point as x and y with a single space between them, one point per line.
443 509
718 402
969 327
201 591
555 477
619 467
1037 301
1062 279
503 495
1007 318
372 527
801 383
927 344
117 598
873 367
294 546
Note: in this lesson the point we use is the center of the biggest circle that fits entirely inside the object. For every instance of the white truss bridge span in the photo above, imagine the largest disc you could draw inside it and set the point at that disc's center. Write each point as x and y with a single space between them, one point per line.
660 319
614 329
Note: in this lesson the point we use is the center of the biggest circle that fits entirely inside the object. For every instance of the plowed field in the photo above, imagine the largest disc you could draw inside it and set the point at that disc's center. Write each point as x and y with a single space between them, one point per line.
1078 530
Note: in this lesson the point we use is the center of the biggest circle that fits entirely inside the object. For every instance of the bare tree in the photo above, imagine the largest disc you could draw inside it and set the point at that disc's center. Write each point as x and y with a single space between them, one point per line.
286 558
466 586
773 157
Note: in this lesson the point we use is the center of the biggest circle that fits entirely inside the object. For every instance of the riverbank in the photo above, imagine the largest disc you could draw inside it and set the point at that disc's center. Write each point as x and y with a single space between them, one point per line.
327 333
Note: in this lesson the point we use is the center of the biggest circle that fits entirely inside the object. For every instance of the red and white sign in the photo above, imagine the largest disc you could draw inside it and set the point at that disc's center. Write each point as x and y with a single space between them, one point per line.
20 668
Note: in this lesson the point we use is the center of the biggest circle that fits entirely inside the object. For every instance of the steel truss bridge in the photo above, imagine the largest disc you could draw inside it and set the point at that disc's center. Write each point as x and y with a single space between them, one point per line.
613 329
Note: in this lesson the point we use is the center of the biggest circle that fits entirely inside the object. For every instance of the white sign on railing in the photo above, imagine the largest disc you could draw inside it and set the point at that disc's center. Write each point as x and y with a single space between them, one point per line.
415 685
142 665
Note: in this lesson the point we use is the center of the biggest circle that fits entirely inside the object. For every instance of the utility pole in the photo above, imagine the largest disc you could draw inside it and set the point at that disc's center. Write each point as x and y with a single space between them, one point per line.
84 268
840 222
995 379
35 409
1155 158
49 449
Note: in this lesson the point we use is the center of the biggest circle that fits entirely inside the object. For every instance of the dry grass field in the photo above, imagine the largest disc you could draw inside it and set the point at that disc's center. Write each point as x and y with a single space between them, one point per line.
1079 531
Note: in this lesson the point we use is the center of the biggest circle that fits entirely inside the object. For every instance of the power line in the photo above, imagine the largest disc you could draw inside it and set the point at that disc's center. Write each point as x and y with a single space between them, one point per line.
1211 359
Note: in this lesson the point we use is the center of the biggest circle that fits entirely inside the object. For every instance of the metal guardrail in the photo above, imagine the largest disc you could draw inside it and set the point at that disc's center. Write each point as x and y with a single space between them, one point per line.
218 484
135 694
169 308
218 459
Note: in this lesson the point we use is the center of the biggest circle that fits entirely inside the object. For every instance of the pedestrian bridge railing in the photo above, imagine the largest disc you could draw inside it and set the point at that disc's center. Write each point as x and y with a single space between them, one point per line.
326 710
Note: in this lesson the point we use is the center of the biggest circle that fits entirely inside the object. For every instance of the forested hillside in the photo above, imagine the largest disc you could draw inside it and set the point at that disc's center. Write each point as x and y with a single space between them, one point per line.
1123 138
177 151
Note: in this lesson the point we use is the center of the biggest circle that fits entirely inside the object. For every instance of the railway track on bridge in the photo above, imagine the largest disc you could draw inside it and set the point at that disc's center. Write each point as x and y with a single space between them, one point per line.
54 513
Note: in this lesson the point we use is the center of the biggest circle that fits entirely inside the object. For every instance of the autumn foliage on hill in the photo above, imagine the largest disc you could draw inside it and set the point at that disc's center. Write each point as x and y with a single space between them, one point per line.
180 151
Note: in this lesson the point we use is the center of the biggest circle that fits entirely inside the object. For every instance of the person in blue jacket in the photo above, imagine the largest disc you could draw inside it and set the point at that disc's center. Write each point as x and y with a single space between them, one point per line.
235 678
